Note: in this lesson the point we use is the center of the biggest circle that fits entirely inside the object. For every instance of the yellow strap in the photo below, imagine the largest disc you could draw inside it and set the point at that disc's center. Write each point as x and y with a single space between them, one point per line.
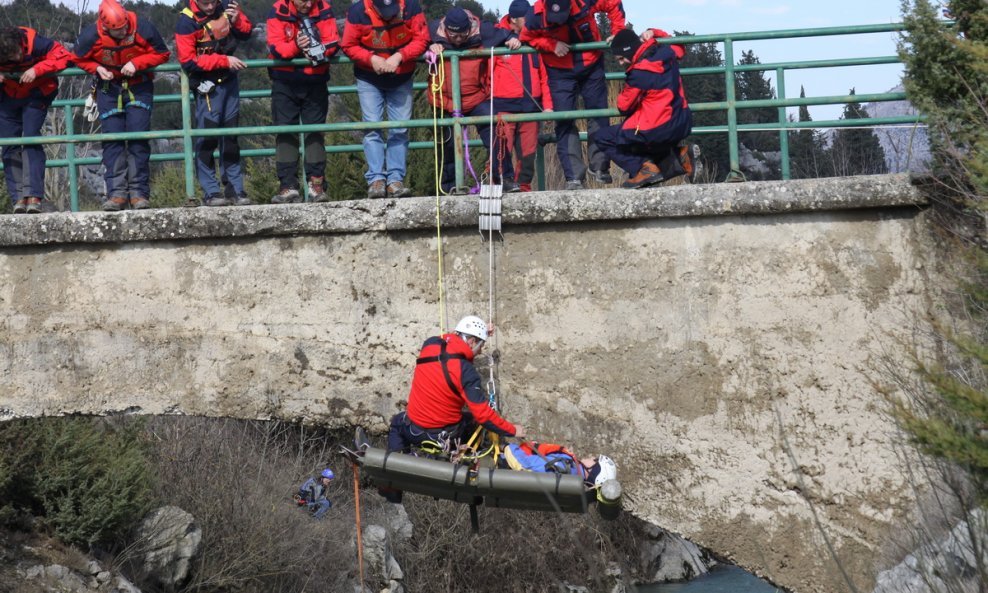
436 88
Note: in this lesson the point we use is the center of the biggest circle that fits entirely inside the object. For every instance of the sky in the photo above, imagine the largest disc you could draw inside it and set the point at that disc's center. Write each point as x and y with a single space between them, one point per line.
703 17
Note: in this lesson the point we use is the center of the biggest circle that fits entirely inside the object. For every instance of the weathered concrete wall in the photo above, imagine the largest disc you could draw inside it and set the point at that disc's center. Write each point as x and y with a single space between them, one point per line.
689 332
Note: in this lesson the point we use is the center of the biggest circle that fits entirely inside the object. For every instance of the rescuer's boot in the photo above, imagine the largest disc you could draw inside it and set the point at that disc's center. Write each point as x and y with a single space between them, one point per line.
650 174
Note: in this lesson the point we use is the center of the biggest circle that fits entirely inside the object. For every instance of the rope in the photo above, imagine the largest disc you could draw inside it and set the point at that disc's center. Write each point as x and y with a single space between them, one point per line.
360 539
437 74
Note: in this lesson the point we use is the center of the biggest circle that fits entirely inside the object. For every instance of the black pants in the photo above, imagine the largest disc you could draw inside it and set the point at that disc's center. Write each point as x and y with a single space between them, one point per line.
293 103
404 433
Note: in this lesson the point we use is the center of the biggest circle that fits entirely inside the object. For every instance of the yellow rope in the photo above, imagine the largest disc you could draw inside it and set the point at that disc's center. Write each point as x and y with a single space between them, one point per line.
436 89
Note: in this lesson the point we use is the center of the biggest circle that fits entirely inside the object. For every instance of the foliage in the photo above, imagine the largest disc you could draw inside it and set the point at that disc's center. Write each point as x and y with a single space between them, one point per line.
87 479
707 88
947 78
751 85
855 151
806 148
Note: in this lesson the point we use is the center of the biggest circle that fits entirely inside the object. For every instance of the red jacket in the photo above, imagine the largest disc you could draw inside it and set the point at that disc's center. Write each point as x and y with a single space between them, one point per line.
42 54
437 397
653 96
199 49
365 35
581 28
475 83
284 23
143 46
520 81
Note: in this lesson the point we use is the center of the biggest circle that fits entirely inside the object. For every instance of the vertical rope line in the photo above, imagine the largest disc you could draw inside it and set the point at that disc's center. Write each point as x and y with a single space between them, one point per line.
360 540
439 153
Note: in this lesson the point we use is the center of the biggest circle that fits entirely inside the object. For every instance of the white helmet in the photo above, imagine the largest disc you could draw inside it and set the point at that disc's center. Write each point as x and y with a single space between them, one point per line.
608 470
472 325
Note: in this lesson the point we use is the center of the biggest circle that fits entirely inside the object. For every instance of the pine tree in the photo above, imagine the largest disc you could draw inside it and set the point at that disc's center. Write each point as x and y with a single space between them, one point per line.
947 79
753 85
806 150
703 89
856 151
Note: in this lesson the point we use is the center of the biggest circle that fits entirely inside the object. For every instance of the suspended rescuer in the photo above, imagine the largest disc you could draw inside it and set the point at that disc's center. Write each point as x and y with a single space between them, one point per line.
657 115
27 93
553 27
521 85
312 494
461 30
384 38
445 381
301 29
206 36
119 49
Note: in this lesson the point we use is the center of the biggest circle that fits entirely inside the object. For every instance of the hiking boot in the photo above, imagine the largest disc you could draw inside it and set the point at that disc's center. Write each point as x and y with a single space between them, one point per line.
601 176
573 185
140 203
377 190
648 175
20 206
317 190
286 195
397 189
33 205
510 187
689 158
242 200
115 204
215 200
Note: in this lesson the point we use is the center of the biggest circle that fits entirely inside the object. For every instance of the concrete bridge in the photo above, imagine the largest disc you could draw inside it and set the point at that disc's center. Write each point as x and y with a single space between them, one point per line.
708 337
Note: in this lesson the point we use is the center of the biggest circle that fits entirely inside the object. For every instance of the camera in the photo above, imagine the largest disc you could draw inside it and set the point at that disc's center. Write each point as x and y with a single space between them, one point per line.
316 52
205 87
586 33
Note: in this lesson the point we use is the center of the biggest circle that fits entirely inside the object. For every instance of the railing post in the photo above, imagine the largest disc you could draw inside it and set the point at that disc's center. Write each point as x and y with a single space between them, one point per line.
732 112
70 157
780 85
459 148
187 136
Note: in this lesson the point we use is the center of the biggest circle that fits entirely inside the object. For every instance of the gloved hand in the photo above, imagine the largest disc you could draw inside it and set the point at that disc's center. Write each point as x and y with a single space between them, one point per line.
90 111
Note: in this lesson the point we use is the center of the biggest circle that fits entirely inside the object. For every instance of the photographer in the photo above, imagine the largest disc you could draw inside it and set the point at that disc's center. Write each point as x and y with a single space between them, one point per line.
301 29
206 36
553 27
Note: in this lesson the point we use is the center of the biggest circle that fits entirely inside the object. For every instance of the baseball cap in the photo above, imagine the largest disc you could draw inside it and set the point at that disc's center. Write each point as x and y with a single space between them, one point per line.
557 11
457 20
519 8
388 9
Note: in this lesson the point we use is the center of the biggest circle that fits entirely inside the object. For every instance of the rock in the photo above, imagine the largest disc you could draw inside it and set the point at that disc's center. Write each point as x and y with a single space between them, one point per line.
399 525
394 587
169 538
122 585
668 557
948 565
377 554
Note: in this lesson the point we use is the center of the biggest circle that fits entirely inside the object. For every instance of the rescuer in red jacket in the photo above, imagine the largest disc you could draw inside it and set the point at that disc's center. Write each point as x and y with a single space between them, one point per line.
445 381
521 85
461 30
657 115
299 93
120 48
553 27
25 60
206 36
384 38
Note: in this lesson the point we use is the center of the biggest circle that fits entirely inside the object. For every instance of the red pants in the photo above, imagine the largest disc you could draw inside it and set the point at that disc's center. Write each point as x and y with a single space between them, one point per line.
521 140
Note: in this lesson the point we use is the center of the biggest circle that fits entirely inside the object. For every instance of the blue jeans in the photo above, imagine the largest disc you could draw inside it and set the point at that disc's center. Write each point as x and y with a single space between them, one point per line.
320 507
373 101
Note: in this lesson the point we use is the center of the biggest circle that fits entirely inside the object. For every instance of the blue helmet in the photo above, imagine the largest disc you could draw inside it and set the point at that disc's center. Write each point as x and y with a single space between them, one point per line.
328 473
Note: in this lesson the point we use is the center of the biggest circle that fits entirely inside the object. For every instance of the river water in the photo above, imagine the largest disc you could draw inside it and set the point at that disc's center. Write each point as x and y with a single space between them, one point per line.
723 578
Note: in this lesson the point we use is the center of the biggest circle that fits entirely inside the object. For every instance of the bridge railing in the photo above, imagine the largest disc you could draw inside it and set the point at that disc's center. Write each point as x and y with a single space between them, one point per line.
730 106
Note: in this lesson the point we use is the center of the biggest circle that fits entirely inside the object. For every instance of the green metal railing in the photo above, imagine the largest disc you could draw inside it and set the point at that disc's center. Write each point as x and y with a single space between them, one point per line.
731 106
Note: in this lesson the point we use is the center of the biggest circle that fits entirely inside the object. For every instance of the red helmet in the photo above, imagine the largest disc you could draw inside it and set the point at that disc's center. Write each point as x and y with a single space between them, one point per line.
112 15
